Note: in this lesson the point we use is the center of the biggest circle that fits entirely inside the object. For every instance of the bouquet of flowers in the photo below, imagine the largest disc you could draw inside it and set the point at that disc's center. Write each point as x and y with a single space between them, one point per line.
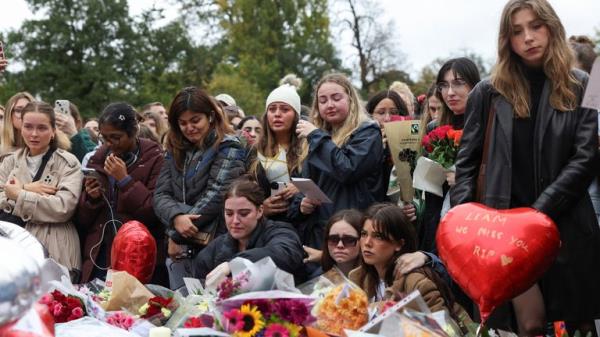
232 286
344 307
268 317
158 309
121 320
441 145
64 308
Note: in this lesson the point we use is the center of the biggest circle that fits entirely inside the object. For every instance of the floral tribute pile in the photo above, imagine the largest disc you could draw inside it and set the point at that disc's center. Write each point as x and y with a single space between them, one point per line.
343 307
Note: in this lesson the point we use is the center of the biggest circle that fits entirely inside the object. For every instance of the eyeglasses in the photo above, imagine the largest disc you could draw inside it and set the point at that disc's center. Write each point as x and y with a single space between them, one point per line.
457 84
389 112
347 240
113 138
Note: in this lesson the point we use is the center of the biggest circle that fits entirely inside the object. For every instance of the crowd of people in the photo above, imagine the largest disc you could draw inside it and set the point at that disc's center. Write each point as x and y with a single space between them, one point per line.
211 183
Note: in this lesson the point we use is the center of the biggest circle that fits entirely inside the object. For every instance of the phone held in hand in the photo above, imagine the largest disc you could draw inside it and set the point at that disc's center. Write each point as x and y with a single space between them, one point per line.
277 187
90 173
62 106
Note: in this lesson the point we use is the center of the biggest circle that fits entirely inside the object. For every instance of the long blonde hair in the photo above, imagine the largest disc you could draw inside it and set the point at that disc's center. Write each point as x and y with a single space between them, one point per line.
10 138
508 76
356 113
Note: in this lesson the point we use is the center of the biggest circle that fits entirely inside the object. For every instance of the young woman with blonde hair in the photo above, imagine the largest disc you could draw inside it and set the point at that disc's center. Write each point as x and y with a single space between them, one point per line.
11 134
343 155
544 150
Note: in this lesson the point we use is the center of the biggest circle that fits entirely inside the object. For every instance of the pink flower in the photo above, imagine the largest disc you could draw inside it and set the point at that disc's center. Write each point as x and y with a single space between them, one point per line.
276 330
234 320
46 299
77 312
57 309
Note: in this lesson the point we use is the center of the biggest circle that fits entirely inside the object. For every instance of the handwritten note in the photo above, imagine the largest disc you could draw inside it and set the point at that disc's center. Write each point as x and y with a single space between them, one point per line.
591 98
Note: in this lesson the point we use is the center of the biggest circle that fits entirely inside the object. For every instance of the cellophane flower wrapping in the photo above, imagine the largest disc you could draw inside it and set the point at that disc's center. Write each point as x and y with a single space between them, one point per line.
441 145
272 313
90 327
196 311
159 309
340 303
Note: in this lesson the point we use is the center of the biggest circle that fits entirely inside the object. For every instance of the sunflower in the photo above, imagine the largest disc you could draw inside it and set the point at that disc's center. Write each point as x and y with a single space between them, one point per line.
253 321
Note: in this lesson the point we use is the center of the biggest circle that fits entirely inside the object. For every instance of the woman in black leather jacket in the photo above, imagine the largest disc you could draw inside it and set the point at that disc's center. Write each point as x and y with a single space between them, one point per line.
542 153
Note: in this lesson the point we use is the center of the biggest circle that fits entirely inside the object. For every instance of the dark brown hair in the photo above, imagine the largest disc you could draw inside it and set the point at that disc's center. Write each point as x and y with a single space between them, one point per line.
245 187
198 101
389 220
353 218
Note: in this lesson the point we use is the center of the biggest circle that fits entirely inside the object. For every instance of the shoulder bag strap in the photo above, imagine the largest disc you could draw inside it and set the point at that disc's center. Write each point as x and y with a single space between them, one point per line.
480 189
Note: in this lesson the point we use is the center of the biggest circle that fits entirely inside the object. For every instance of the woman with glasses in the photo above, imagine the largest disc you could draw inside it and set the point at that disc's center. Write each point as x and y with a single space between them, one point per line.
455 80
542 150
11 134
341 239
204 157
121 189
249 235
385 235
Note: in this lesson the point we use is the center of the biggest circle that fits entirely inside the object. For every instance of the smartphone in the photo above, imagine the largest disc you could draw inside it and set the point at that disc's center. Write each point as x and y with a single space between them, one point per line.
90 173
277 187
62 106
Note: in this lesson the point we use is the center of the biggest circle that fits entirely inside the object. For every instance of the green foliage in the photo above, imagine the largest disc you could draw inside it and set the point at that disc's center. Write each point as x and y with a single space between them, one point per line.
247 94
269 39
93 52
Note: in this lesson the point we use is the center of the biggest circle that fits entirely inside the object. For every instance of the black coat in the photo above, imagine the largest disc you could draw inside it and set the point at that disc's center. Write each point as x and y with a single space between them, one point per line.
350 175
270 238
565 161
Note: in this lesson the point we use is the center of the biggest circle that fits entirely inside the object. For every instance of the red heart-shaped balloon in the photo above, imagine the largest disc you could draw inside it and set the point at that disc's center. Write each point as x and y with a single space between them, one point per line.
134 251
495 255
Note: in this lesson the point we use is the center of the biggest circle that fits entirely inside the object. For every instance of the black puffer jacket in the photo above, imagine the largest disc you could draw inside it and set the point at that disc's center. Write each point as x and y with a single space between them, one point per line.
270 238
565 161
201 186
350 175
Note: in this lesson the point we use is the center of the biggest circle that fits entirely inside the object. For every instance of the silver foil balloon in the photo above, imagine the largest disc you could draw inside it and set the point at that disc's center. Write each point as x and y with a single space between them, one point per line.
19 280
20 235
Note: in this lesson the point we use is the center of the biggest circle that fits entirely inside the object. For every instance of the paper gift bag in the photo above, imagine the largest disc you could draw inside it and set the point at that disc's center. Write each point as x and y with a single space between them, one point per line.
126 293
404 141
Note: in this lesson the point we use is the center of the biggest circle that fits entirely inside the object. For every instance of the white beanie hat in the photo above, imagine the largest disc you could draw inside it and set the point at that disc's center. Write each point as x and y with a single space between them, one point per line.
286 94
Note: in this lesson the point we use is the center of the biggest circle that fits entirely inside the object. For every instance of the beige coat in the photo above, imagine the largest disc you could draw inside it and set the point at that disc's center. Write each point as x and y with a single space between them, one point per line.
47 217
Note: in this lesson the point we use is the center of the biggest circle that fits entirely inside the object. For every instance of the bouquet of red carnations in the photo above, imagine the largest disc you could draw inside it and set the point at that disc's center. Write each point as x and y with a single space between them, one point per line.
64 308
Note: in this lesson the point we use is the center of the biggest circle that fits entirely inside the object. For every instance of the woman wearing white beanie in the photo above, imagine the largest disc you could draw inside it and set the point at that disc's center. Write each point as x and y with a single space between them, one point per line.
278 150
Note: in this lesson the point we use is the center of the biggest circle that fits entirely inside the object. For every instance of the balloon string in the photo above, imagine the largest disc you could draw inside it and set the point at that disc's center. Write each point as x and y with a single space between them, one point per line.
479 330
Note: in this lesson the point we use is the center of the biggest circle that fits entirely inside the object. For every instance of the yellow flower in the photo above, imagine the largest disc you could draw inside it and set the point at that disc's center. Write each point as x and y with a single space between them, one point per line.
293 329
253 321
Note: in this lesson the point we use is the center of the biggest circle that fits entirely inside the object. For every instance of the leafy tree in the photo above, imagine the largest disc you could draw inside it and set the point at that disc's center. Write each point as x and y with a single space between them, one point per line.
266 40
93 52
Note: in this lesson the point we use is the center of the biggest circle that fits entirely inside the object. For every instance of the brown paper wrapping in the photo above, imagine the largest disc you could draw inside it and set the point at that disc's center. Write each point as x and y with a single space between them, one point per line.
403 135
127 293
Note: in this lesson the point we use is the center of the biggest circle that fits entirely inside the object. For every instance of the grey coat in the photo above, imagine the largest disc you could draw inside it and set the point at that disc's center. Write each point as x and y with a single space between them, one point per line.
201 186
565 161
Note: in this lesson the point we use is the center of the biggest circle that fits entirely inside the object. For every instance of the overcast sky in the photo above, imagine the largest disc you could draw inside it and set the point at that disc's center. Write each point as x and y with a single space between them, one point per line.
426 29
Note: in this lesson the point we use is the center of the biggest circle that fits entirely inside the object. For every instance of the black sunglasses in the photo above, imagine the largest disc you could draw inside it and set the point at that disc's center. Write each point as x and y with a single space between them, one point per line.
347 240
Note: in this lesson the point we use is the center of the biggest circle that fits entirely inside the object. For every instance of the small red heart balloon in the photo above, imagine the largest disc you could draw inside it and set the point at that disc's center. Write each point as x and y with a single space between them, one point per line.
495 255
134 251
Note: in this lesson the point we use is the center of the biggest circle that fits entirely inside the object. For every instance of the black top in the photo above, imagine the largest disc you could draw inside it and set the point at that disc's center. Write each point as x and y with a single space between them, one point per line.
523 191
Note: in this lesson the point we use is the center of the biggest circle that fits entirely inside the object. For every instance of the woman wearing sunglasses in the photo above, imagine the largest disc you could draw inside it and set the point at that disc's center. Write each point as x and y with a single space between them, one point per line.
342 235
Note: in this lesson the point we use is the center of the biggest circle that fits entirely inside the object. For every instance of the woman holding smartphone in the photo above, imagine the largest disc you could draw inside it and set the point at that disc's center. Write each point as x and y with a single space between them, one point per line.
277 151
528 121
204 157
120 189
